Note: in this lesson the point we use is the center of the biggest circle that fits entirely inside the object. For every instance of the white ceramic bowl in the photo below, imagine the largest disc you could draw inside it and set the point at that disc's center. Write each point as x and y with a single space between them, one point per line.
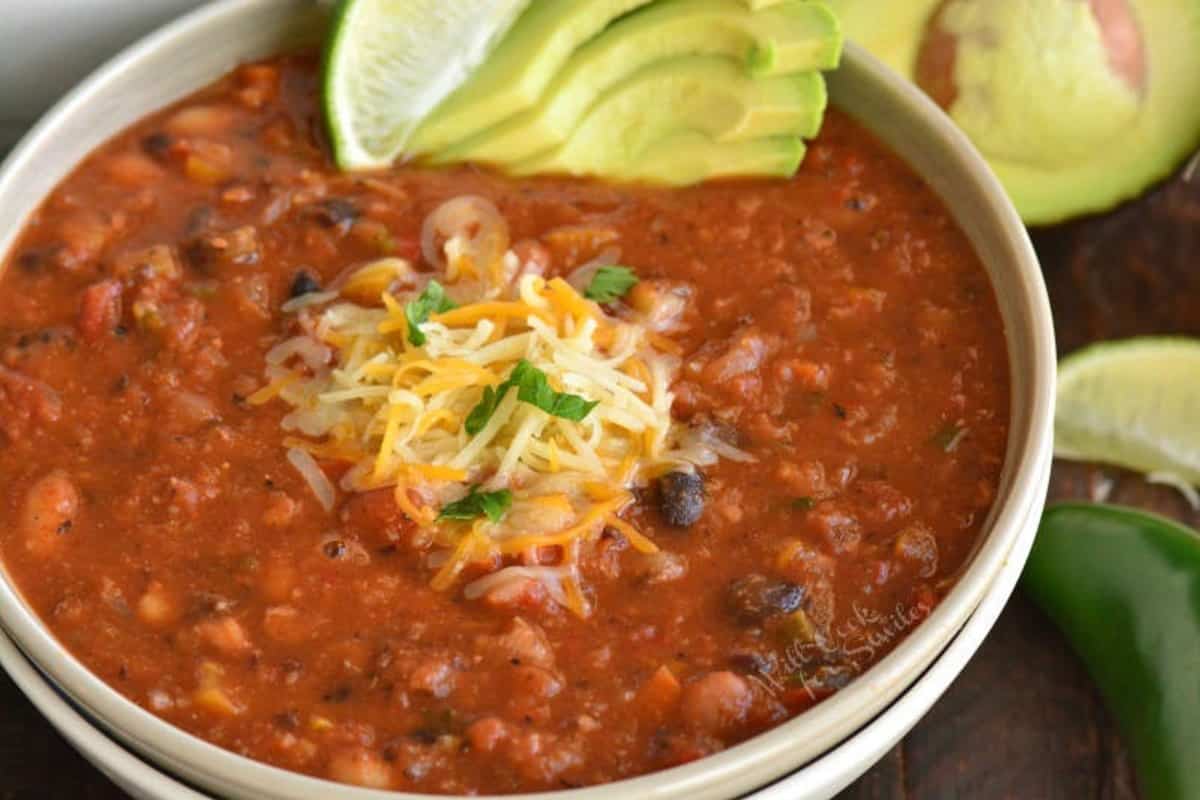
818 780
205 44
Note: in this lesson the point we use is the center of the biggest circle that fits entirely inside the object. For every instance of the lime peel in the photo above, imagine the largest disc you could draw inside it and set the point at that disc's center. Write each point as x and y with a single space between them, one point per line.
1132 403
390 63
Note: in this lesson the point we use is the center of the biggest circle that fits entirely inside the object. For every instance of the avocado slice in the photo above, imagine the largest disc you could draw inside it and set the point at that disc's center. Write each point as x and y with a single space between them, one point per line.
789 36
519 69
709 95
690 157
1077 105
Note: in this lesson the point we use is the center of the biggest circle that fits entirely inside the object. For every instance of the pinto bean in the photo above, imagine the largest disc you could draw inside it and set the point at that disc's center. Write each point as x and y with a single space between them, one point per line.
716 703
25 400
133 170
487 733
84 236
157 606
917 545
746 351
201 120
434 675
99 310
51 506
360 767
225 635
523 642
660 567
288 625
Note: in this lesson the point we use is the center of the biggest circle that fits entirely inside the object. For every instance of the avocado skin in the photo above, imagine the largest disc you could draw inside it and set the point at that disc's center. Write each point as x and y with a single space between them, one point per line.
790 36
707 95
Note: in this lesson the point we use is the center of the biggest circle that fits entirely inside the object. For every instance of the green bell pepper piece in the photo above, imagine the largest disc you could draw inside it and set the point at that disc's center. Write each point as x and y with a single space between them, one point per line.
1124 586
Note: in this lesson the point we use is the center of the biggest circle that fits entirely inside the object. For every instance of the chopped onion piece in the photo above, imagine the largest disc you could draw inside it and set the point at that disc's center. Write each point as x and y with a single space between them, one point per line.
549 577
314 354
581 276
474 220
306 300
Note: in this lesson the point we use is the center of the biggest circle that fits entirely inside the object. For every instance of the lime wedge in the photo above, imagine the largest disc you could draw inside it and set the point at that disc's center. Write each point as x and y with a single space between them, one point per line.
389 63
1133 403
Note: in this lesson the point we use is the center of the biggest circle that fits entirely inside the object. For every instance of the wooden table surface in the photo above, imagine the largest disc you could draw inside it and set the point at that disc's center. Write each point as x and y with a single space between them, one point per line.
1023 720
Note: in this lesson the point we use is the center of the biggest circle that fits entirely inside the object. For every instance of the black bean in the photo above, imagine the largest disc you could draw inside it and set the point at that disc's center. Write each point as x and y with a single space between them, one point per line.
156 144
198 219
337 212
752 663
304 283
31 260
199 256
756 597
288 720
681 497
338 694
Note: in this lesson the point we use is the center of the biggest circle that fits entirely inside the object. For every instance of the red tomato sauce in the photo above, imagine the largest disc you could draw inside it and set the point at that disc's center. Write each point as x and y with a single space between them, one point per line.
840 328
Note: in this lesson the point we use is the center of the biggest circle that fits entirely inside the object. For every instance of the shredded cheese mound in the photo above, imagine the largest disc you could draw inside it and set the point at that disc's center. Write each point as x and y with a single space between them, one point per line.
363 394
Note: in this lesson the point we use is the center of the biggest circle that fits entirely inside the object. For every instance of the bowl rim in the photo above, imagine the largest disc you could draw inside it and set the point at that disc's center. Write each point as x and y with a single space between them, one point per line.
734 769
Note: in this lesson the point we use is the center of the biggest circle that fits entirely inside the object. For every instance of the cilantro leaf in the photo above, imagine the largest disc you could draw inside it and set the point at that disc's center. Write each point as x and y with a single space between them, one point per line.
493 505
609 283
432 300
484 409
534 388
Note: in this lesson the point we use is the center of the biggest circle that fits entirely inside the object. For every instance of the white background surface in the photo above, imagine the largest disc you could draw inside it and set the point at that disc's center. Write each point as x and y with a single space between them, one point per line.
47 46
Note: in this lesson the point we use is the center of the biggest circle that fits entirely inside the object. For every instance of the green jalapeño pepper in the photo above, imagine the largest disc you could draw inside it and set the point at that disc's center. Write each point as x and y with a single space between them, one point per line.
1124 586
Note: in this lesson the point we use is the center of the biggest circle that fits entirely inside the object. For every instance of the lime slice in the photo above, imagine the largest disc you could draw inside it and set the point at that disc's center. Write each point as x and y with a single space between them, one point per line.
1133 403
389 63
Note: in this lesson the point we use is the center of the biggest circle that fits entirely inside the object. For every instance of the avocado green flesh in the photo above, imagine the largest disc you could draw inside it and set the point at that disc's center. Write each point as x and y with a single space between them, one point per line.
519 69
1062 144
690 157
892 30
790 37
708 95
1163 132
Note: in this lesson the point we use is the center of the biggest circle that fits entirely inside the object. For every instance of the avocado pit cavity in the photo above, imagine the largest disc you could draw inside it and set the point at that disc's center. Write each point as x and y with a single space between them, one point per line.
1042 83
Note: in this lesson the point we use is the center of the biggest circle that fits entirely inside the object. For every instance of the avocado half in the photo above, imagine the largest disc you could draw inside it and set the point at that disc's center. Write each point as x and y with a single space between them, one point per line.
1077 104
891 31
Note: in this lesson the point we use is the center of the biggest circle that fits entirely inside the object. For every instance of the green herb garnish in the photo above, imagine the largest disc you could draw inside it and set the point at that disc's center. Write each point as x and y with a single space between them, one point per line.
609 283
533 388
948 437
433 300
493 505
803 504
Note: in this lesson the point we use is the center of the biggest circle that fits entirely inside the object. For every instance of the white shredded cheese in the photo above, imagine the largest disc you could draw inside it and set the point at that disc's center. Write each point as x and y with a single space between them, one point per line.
361 392
308 468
